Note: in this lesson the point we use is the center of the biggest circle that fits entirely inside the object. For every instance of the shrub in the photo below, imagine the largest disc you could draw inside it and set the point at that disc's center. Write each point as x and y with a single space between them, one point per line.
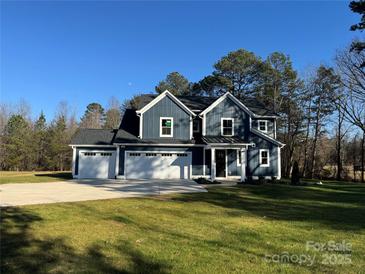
295 174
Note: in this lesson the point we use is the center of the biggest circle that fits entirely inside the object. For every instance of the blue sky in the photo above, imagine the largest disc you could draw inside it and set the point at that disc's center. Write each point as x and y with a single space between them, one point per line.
86 52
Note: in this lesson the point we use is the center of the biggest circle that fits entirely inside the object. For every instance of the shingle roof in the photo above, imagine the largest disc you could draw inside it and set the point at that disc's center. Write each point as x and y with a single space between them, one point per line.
87 136
199 103
222 140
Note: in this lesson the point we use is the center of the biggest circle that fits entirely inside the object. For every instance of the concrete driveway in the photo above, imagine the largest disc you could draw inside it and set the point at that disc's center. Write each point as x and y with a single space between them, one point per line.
84 190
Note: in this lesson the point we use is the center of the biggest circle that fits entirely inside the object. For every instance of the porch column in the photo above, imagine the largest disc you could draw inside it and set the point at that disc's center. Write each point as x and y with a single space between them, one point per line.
73 161
243 164
212 166
117 162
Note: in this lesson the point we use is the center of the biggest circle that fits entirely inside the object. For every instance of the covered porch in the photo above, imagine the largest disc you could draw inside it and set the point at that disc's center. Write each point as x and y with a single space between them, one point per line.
225 158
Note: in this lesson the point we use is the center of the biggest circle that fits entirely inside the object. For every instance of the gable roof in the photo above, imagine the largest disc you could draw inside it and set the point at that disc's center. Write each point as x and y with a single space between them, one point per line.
160 97
235 100
267 137
198 104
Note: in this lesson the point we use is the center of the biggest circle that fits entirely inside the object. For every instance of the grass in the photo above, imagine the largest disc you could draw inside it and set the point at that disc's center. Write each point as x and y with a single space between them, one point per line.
227 230
8 177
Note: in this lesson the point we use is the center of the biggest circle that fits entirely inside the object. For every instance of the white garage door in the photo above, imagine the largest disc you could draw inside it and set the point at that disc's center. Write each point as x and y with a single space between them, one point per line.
97 164
157 165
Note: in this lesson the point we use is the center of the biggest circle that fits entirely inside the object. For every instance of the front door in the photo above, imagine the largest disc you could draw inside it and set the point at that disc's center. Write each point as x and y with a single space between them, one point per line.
220 160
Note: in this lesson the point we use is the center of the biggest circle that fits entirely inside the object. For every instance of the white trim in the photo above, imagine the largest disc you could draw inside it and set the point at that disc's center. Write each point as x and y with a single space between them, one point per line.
73 161
172 126
222 131
238 102
279 163
204 161
267 137
204 130
159 98
73 145
250 121
140 126
243 153
231 145
268 158
117 162
212 164
159 144
191 127
238 152
258 125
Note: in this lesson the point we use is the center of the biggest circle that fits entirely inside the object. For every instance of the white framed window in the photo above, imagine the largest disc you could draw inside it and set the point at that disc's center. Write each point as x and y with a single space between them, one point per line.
262 125
264 157
196 125
227 126
166 126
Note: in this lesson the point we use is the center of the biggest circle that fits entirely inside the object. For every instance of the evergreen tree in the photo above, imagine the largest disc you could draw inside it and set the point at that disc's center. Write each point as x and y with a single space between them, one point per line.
40 139
17 144
175 83
94 116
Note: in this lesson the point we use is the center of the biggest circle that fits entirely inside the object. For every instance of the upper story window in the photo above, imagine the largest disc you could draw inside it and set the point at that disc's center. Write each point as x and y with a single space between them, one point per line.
227 126
264 158
262 125
166 126
196 125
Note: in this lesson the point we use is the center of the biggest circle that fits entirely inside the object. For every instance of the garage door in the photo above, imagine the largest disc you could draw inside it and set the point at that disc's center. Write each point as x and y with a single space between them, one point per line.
97 164
157 165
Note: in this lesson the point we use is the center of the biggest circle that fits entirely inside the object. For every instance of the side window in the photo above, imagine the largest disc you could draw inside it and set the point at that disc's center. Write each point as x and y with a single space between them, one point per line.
227 126
264 158
262 125
166 126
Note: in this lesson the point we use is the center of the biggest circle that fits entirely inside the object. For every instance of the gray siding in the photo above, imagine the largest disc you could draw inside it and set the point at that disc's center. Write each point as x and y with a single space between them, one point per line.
227 109
197 155
270 126
254 168
166 108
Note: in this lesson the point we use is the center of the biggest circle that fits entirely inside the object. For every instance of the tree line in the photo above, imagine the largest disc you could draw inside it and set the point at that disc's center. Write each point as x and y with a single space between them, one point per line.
37 144
321 114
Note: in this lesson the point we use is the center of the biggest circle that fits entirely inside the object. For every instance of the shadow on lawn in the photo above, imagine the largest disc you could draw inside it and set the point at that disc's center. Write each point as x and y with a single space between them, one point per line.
342 210
21 252
59 175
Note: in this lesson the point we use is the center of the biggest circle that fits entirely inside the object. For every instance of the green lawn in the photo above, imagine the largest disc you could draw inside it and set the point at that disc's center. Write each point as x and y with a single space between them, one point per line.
228 230
8 177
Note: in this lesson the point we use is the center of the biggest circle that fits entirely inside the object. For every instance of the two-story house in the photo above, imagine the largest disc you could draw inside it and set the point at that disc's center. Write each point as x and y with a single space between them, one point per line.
182 137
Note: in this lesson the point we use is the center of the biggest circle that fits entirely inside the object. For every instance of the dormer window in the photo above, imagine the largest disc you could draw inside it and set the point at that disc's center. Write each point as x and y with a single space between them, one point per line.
166 126
262 125
227 126
196 126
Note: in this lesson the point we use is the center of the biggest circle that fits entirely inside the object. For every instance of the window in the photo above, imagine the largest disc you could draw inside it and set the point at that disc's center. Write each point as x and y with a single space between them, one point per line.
182 154
264 158
106 154
262 125
90 154
166 126
196 125
151 154
134 154
227 125
166 155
